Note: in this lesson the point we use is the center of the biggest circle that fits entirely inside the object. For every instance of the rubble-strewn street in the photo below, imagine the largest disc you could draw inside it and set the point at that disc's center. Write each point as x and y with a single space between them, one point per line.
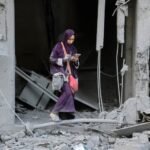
91 136
60 138
74 75
78 136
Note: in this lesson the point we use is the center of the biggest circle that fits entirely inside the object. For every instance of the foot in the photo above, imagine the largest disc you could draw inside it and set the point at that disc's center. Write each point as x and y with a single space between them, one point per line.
66 116
54 117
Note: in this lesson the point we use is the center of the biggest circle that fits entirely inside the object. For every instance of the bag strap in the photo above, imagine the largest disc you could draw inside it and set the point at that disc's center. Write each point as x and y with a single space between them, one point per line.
65 53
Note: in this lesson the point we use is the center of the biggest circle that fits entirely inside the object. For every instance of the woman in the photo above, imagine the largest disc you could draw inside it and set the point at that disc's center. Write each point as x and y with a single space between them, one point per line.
58 61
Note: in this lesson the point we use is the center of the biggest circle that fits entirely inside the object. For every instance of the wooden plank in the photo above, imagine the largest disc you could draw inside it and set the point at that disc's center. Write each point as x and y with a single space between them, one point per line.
127 131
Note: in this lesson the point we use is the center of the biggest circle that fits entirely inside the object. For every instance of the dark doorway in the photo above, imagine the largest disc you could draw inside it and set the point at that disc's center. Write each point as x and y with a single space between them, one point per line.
108 67
38 26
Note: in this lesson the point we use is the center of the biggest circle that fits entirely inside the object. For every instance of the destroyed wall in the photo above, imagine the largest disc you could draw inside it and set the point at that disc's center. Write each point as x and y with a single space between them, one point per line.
7 62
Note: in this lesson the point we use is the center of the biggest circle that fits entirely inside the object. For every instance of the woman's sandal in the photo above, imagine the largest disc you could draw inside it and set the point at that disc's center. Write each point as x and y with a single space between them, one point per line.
54 117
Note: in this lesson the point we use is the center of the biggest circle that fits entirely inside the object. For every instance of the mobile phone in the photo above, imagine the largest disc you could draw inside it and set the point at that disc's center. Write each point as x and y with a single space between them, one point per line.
77 54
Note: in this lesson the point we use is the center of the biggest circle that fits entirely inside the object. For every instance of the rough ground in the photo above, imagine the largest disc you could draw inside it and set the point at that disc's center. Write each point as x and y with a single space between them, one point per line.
79 136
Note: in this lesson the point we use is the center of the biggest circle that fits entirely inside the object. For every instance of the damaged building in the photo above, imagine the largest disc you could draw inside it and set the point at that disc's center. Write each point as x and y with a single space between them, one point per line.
113 37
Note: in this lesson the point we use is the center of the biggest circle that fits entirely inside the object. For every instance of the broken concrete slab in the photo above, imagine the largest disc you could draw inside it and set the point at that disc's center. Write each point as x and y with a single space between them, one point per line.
134 105
138 142
128 113
127 131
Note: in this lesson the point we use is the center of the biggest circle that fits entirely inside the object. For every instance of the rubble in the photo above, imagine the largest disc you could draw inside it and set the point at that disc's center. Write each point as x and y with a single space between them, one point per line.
139 141
59 137
128 113
76 135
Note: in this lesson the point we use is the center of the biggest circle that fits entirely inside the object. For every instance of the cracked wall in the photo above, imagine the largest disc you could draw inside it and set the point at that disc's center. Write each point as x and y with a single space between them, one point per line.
141 47
7 63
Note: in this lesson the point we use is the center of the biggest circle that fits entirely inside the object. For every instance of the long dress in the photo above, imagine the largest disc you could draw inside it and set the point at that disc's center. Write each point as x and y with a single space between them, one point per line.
65 102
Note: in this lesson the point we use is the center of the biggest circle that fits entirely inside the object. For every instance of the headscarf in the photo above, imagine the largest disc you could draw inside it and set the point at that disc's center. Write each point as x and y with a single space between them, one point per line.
67 34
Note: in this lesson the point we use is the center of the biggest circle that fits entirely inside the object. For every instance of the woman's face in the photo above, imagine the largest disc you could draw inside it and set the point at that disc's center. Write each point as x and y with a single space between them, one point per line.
71 40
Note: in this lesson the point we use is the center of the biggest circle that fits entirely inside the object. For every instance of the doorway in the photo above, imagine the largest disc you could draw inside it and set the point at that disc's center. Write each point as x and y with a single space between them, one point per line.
38 26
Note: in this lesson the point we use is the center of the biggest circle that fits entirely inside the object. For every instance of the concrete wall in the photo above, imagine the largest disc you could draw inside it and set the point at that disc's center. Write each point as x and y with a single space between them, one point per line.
141 47
137 49
7 71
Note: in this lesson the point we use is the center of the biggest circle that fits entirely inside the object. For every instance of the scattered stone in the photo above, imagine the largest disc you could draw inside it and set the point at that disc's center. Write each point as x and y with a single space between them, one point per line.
80 138
104 147
61 147
80 147
5 138
132 144
3 147
111 140
113 114
15 136
103 140
103 115
40 148
134 105
93 141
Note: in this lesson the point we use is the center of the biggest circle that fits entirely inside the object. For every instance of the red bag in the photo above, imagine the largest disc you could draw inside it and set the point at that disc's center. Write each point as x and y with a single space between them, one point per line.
72 81
73 84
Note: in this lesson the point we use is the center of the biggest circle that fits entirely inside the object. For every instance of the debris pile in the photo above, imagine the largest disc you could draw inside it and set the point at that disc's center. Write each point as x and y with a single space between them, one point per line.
139 141
128 113
80 133
66 137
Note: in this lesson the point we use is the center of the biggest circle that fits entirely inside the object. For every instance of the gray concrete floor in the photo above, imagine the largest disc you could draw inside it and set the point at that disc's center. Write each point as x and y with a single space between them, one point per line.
87 93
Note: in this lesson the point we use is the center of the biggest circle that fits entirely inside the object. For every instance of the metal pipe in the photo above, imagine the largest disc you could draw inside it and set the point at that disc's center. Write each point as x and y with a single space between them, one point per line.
99 46
83 120
100 25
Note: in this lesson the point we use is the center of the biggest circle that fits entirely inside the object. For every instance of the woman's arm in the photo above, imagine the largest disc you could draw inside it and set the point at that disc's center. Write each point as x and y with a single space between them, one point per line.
57 55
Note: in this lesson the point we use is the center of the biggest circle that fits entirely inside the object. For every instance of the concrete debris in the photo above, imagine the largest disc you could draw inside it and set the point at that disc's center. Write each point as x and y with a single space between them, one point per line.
62 147
134 105
80 134
111 140
139 141
15 136
20 109
93 141
80 147
127 131
128 113
57 138
147 132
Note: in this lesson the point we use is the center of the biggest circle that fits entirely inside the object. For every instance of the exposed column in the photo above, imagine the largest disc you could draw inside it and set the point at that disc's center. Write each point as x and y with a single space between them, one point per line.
129 34
7 62
141 46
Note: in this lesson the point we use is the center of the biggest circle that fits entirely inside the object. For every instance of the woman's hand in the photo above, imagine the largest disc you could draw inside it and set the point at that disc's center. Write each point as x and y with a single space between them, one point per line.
74 59
67 58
